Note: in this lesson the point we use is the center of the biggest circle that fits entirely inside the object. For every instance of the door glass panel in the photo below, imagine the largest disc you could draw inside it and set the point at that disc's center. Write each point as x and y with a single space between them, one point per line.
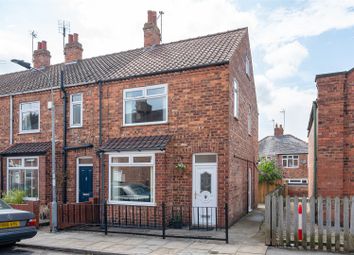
210 158
205 182
85 161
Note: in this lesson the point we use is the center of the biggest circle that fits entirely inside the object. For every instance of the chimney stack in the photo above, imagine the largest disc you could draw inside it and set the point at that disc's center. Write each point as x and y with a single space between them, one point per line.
152 34
278 131
41 56
73 49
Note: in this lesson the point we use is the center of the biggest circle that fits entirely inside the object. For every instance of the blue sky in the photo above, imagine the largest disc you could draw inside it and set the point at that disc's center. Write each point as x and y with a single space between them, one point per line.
291 41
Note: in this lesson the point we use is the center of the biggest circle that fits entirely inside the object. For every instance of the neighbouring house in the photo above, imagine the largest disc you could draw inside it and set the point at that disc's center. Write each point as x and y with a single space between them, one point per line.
290 153
331 136
126 120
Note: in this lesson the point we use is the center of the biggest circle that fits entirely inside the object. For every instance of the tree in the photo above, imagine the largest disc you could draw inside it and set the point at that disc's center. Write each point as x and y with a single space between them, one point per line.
269 172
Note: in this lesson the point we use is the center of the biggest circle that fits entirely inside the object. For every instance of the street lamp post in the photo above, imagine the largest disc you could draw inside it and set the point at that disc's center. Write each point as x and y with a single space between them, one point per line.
54 186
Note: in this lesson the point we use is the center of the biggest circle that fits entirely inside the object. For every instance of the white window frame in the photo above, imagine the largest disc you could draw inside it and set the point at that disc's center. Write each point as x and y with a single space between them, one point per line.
22 168
144 96
72 125
249 120
39 118
287 157
299 181
77 174
236 92
247 66
131 155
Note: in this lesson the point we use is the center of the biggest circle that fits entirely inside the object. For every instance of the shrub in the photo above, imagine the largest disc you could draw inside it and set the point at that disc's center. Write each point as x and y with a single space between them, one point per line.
14 197
269 172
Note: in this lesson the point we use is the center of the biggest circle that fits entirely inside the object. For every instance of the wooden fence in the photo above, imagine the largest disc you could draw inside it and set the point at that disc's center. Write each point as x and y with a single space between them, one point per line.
326 223
264 189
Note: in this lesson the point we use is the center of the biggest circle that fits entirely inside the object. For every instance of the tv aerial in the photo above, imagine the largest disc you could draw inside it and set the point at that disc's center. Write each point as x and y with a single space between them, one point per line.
64 29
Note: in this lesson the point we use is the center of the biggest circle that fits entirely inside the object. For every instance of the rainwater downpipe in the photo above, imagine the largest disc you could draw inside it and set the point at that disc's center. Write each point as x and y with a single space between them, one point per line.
64 152
315 146
11 119
101 153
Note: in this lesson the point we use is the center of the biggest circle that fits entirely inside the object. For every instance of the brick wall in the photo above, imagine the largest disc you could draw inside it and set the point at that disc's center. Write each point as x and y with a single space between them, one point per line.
243 147
335 134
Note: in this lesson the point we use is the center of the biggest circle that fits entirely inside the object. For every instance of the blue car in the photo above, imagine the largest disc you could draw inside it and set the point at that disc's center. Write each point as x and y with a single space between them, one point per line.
15 225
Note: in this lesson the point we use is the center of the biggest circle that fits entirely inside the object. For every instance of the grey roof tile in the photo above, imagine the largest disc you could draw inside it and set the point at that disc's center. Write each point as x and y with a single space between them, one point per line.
181 55
139 143
27 149
285 144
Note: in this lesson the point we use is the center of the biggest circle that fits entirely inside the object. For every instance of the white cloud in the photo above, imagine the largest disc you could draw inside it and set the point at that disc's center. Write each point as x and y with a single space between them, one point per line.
285 60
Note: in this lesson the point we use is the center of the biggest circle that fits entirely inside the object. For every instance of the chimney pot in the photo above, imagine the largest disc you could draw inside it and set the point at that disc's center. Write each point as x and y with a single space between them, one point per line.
39 46
76 37
152 17
44 45
70 38
278 131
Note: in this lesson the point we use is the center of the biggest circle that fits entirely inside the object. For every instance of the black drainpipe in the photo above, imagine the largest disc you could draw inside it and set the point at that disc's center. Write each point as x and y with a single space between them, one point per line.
2 178
101 154
64 153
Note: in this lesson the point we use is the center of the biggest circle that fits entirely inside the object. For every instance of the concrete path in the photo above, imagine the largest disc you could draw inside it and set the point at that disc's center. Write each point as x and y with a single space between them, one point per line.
245 238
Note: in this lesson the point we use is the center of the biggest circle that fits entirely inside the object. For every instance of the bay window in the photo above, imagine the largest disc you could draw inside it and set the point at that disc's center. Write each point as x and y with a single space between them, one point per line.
29 117
147 105
131 178
22 174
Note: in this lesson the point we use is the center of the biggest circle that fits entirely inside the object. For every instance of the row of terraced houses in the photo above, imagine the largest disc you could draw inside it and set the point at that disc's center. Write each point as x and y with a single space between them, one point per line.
174 123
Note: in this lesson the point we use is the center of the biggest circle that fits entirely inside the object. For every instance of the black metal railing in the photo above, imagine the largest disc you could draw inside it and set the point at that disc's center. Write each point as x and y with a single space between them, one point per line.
163 220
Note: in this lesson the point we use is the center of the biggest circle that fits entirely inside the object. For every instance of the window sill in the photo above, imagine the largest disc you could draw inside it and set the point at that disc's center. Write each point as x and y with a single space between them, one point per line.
130 203
73 127
31 199
29 132
145 124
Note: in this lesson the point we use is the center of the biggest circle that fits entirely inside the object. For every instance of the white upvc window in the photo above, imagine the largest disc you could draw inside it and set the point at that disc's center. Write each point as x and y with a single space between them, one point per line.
30 117
22 174
76 110
145 105
249 120
290 161
297 181
247 66
236 99
132 178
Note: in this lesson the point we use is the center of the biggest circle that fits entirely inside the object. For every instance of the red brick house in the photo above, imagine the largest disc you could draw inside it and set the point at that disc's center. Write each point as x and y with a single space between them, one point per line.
331 136
290 153
124 122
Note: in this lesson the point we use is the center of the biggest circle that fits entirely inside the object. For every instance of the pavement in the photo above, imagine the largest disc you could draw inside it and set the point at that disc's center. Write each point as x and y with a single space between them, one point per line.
246 237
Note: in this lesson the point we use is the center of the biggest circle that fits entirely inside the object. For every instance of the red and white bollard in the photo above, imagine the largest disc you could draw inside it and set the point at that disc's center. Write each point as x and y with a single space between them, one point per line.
299 231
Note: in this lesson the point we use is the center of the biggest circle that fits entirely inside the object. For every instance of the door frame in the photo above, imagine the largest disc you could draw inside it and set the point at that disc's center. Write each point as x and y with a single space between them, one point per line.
249 189
77 174
204 164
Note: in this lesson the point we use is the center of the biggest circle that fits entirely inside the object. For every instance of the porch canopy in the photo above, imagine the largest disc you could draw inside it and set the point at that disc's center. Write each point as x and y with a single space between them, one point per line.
139 143
21 149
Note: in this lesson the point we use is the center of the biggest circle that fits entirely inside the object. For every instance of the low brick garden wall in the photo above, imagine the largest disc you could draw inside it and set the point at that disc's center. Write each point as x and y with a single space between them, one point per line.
30 206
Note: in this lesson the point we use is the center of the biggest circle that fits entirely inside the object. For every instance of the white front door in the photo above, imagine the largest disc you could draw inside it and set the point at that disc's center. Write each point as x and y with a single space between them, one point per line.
204 194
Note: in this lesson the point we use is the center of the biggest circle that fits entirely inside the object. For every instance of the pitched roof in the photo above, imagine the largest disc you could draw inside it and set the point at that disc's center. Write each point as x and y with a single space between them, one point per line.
139 143
285 144
27 149
215 49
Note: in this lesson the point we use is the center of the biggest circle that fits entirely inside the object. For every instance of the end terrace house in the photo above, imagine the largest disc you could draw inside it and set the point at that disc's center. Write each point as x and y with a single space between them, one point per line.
174 123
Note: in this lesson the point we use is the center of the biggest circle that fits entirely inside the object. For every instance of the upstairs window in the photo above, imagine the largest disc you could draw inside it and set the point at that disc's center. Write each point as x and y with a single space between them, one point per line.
291 161
249 120
76 110
29 117
236 99
146 105
247 66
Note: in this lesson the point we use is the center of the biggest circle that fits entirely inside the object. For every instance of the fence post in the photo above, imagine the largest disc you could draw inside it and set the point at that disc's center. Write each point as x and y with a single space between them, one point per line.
105 218
226 223
163 220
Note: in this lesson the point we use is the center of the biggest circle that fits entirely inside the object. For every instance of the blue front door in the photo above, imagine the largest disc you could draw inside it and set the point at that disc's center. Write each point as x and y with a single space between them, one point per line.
85 183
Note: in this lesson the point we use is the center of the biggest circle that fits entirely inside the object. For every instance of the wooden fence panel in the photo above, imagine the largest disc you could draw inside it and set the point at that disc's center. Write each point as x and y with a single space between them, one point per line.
288 223
274 220
280 220
336 222
351 238
312 222
320 223
346 223
267 219
328 224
